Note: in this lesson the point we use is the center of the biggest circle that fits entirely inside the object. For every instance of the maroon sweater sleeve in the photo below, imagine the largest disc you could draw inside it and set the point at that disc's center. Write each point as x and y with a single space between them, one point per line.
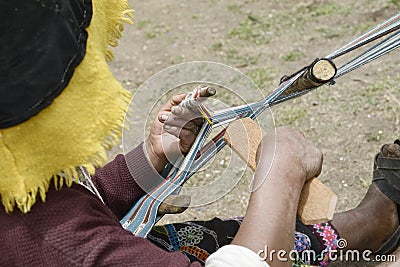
73 228
117 183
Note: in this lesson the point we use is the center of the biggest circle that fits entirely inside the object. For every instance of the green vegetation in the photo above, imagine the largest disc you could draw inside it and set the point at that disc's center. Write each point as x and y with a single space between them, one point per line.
234 7
216 46
375 91
289 115
235 58
395 2
253 29
261 76
155 30
177 59
380 86
331 32
142 24
232 55
374 137
259 29
152 30
294 55
383 96
328 9
362 27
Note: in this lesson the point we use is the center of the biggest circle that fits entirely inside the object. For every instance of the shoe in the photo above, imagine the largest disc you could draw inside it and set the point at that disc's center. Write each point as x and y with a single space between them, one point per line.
387 178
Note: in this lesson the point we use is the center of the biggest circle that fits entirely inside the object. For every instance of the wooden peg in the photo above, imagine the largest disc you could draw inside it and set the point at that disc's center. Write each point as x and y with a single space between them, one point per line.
317 202
322 71
174 204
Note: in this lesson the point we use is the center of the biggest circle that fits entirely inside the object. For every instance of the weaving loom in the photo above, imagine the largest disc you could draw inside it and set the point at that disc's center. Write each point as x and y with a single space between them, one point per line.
141 218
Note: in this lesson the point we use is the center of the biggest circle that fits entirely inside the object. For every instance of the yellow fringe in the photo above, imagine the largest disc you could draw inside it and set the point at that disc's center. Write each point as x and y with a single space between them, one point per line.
115 31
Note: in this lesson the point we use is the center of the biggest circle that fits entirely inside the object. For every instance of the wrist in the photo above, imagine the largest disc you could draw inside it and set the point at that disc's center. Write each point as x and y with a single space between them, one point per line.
291 170
158 161
283 169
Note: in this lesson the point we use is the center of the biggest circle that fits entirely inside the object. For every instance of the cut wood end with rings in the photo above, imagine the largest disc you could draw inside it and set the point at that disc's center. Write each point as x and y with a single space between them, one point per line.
324 70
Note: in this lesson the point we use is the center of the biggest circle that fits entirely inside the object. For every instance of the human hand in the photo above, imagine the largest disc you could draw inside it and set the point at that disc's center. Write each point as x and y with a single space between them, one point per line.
293 153
284 163
174 130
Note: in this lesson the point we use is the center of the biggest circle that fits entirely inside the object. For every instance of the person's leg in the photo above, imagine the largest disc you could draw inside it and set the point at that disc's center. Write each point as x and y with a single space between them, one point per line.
372 223
366 227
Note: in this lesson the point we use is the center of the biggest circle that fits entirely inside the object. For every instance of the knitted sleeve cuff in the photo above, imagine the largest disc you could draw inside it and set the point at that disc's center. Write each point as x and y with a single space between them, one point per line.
125 179
140 168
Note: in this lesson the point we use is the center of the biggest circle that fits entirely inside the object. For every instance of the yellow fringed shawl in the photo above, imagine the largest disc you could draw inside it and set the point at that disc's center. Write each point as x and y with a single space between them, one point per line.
77 128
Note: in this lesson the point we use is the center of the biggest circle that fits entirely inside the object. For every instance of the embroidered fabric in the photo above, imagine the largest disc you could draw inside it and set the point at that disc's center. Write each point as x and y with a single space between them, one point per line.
199 239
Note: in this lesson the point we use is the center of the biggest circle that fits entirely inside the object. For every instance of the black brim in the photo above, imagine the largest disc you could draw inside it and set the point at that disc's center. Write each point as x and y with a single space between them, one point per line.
41 44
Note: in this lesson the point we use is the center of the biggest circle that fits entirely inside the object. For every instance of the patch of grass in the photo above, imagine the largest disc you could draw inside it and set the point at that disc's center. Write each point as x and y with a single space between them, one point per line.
233 56
294 55
216 46
261 76
289 115
362 27
330 32
252 29
374 137
226 97
157 30
177 59
234 7
329 9
395 2
304 13
151 35
142 24
260 29
376 93
378 88
294 20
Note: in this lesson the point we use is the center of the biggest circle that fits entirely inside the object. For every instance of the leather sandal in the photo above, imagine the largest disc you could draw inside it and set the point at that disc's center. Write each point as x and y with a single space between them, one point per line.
387 178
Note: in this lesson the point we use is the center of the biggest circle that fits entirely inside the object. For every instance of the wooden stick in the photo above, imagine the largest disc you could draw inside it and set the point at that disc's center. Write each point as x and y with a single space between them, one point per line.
207 91
174 204
320 72
317 202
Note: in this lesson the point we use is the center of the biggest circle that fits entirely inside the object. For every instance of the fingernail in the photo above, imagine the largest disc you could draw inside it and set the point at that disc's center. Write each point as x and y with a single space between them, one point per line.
168 128
164 117
176 110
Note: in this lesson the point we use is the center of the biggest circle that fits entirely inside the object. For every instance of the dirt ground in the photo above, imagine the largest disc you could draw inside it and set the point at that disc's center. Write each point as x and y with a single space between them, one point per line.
265 40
